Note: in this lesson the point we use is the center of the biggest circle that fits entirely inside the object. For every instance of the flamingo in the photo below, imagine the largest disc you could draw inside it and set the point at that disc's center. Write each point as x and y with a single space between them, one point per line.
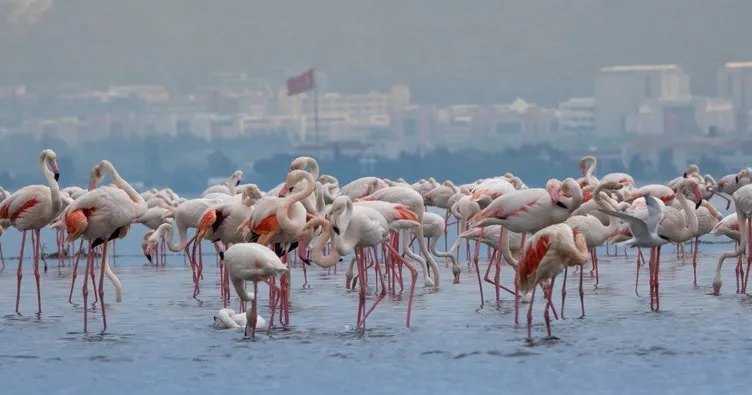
356 228
315 201
707 219
433 229
414 201
101 215
220 223
227 319
363 186
228 187
546 254
32 208
528 210
594 231
645 235
256 263
587 171
743 203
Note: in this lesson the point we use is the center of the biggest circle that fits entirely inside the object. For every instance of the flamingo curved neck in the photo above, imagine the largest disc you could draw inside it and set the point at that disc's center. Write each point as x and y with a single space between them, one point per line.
122 184
57 202
165 230
344 243
286 209
690 228
317 251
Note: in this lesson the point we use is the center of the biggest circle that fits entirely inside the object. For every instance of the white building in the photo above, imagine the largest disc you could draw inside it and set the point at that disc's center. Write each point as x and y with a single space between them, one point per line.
577 116
621 90
688 116
735 83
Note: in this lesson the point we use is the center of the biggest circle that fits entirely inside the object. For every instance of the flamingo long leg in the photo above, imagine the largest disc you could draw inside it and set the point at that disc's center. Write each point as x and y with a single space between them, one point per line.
19 272
36 241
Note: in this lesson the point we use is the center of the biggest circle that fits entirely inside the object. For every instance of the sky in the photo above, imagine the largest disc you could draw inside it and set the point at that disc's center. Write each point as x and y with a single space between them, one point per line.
448 51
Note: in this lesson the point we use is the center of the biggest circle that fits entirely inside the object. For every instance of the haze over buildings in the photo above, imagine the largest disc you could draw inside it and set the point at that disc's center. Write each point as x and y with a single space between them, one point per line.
447 51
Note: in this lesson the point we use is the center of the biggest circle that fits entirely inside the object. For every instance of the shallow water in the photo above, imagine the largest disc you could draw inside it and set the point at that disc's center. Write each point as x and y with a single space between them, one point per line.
160 340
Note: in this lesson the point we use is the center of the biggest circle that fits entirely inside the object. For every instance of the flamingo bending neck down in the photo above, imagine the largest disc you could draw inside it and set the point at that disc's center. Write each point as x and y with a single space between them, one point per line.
546 254
256 263
227 319
743 203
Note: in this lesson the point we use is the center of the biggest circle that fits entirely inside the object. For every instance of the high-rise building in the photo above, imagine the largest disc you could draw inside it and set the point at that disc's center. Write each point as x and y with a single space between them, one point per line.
620 90
735 83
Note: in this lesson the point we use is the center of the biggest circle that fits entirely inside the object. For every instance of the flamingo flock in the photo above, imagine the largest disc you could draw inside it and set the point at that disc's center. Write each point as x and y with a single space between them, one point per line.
257 236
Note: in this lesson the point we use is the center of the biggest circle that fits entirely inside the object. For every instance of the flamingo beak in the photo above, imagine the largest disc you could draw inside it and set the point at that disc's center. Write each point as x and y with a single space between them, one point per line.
698 197
237 182
736 179
92 186
684 175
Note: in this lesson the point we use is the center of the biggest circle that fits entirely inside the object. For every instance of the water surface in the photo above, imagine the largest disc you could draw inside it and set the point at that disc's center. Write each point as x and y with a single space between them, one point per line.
160 340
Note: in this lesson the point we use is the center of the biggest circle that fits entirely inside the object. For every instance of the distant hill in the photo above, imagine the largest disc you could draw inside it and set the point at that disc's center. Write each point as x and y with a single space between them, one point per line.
447 50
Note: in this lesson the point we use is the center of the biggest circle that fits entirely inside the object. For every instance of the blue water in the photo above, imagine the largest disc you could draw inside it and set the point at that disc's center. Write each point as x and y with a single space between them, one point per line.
160 340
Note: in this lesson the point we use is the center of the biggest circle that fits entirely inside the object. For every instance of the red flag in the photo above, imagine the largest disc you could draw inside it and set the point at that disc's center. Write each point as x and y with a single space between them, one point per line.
300 83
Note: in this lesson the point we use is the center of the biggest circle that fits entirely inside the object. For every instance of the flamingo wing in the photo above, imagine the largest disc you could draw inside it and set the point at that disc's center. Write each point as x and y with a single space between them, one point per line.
636 225
655 213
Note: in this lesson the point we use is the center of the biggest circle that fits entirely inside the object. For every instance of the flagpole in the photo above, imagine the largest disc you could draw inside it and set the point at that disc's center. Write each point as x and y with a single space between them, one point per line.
316 113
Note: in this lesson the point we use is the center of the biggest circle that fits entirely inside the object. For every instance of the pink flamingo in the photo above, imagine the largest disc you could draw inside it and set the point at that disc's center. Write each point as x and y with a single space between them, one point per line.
256 263
548 252
101 215
32 208
528 210
743 203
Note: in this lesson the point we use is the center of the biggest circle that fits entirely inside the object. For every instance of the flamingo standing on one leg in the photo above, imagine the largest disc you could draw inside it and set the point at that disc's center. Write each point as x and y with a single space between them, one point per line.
32 208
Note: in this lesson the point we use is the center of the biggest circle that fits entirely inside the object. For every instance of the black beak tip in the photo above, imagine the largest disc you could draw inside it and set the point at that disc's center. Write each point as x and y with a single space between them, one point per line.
341 259
306 261
237 182
355 282
697 205
222 255
684 175
736 179
562 205
57 176
148 256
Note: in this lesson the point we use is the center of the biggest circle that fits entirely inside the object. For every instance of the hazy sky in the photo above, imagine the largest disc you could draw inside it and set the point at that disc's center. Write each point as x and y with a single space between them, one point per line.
447 50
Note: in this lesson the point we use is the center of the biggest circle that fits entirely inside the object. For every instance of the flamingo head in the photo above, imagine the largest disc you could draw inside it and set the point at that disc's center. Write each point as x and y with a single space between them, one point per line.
49 157
148 244
693 186
237 175
96 176
553 187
